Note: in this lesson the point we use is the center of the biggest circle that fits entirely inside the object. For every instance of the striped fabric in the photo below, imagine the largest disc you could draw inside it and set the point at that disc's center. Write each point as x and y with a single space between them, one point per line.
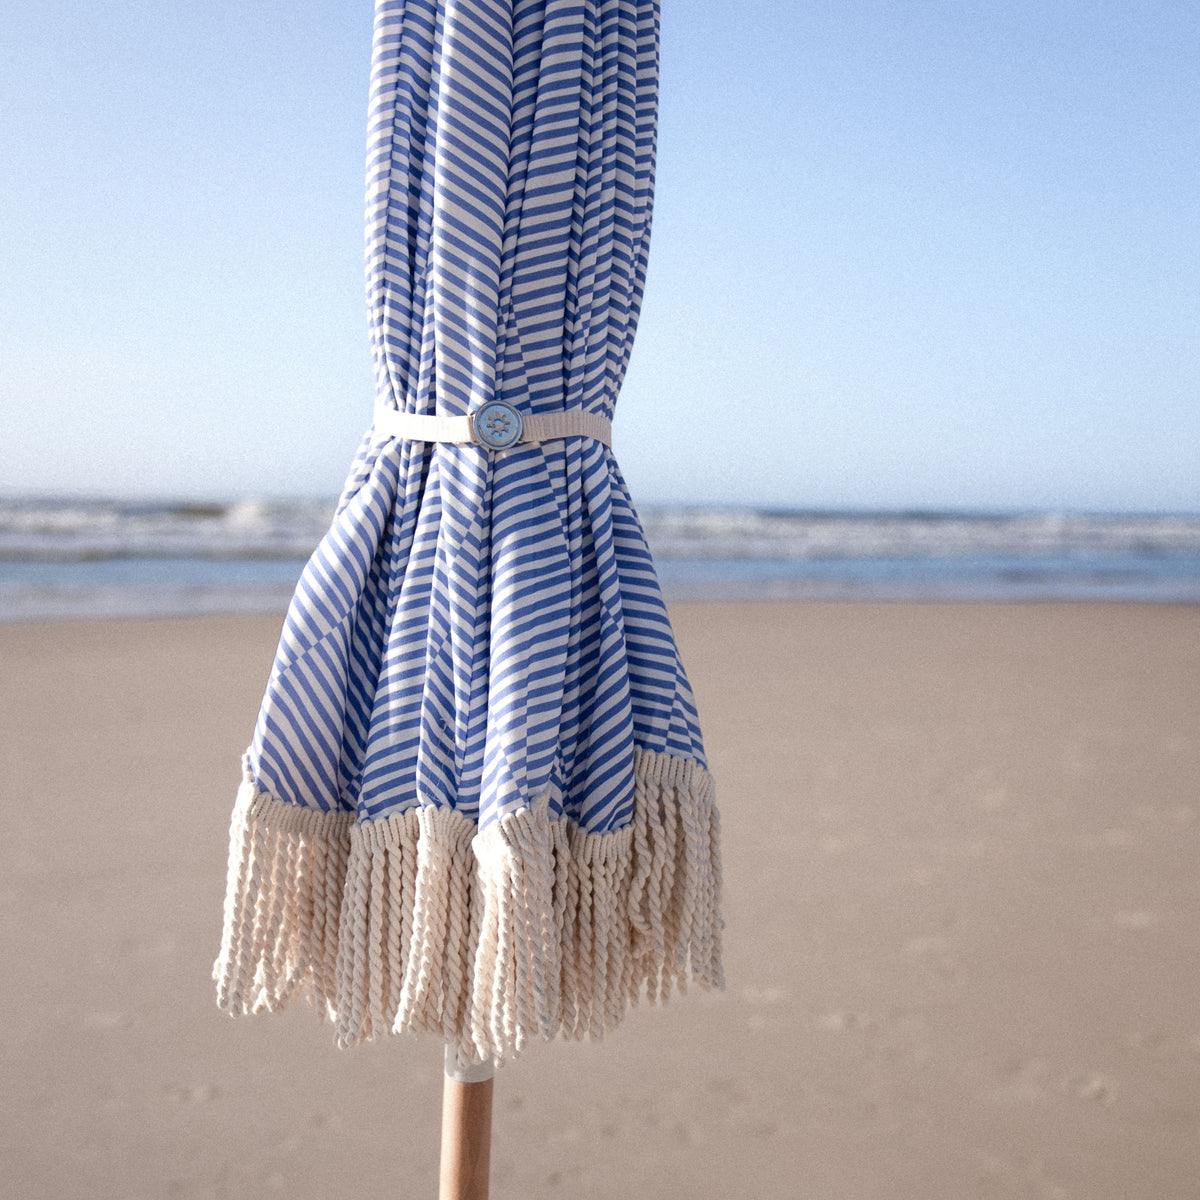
482 628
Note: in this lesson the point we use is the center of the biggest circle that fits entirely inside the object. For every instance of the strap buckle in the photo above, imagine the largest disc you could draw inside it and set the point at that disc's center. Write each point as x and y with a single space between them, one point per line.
496 425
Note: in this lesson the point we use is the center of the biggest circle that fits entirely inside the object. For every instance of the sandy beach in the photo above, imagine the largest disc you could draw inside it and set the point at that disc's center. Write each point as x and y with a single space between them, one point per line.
962 946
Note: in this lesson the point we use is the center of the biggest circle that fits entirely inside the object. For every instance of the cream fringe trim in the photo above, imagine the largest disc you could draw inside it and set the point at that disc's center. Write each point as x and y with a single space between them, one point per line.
418 923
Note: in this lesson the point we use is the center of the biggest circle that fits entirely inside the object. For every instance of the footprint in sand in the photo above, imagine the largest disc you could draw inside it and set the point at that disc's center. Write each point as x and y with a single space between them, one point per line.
765 995
930 943
1029 1176
105 1020
196 1094
994 800
841 1021
1154 1040
1119 839
759 998
1172 814
1026 1082
1096 1087
935 949
1136 919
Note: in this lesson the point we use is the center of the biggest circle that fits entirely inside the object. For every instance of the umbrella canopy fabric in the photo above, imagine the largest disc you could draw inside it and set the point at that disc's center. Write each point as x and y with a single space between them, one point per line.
476 803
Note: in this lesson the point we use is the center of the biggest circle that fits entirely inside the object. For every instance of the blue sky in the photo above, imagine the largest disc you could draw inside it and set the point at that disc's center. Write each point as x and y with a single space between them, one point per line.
919 255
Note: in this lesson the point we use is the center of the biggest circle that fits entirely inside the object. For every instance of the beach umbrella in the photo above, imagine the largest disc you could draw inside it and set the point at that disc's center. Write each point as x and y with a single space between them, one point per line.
476 803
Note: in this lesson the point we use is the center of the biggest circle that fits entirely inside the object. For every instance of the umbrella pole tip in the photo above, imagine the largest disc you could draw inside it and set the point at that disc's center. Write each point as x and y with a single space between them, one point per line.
472 1072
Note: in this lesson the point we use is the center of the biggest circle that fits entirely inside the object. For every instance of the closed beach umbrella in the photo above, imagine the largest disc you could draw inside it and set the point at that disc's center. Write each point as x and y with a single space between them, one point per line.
476 803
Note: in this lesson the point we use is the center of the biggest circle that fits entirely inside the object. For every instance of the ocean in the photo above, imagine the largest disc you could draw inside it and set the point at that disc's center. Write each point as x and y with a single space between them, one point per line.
64 558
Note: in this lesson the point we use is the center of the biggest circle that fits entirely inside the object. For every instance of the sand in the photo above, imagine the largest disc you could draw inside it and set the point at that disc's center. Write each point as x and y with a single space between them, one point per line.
963 945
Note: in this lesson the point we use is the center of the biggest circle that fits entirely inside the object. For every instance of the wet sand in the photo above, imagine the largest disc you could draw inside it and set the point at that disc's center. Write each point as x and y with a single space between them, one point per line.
962 944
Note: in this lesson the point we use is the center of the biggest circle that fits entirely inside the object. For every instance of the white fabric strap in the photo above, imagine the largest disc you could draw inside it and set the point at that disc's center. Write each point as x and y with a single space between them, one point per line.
536 427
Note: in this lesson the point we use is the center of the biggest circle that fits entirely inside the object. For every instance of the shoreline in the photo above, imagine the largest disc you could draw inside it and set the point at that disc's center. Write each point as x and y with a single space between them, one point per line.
278 611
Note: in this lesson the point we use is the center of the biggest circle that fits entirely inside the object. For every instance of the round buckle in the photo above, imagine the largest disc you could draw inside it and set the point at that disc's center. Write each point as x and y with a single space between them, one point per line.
496 425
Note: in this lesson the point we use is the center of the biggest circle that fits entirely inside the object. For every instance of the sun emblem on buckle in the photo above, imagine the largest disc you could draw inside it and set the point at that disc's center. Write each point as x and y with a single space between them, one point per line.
496 425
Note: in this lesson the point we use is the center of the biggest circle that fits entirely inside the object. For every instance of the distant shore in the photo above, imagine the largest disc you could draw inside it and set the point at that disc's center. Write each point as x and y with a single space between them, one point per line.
72 559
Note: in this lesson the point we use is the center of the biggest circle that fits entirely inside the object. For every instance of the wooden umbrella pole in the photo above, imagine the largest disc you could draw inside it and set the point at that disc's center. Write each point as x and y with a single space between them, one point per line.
466 1130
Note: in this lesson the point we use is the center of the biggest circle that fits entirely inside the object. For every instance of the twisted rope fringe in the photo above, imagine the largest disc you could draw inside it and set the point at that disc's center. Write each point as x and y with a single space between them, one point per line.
419 923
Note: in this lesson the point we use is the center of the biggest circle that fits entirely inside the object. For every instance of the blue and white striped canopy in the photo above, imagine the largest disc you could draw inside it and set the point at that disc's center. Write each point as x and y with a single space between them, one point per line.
479 645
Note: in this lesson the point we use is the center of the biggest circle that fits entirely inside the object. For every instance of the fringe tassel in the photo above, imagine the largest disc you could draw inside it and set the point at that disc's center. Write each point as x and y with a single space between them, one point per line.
419 923
283 863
